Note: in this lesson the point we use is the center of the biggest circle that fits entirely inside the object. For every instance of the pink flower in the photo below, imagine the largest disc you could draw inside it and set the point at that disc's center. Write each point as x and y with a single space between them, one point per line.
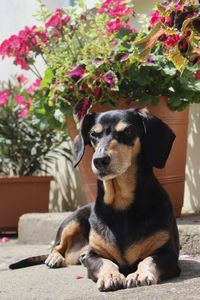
156 18
120 11
172 40
128 26
114 25
4 96
22 79
24 112
20 46
33 87
106 5
19 99
57 20
197 75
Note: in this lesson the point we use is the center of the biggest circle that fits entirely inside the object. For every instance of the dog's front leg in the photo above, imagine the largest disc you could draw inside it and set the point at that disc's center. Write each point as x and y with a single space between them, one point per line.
104 272
154 269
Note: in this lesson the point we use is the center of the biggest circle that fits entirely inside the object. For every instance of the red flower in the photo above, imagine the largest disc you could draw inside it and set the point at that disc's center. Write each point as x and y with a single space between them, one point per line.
172 40
197 75
156 17
20 46
114 25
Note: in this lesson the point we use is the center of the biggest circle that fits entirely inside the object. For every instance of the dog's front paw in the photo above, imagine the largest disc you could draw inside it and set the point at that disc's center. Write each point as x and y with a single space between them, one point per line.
111 281
140 279
55 260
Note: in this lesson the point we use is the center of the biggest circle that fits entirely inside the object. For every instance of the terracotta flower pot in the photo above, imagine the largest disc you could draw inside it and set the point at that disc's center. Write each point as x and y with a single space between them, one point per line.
172 177
21 195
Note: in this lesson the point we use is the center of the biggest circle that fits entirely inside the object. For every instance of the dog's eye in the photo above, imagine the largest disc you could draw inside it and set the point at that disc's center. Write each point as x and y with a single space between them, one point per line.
128 131
95 135
127 135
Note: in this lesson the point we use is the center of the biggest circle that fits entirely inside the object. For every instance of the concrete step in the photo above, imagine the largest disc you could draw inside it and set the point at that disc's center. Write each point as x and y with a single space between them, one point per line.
41 228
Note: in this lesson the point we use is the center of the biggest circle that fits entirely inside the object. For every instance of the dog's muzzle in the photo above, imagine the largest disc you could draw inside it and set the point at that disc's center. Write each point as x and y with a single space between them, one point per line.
102 162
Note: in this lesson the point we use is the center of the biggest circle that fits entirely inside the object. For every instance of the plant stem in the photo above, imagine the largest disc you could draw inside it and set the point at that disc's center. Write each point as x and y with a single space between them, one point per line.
46 62
34 72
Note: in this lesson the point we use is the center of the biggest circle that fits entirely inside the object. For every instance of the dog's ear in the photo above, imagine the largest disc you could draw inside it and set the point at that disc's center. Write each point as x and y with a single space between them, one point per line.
82 139
157 139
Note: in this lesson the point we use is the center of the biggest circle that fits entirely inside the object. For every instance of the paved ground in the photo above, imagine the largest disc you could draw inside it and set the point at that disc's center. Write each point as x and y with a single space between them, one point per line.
41 283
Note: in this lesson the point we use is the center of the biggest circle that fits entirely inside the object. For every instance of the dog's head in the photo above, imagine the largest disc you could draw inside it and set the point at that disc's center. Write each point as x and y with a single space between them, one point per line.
117 138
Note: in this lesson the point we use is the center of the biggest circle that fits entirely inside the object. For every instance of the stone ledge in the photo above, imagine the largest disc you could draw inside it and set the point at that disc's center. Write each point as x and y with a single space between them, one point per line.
41 228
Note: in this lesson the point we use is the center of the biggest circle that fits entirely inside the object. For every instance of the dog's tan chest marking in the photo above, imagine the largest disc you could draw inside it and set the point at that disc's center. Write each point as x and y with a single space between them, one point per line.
119 192
104 248
135 252
146 247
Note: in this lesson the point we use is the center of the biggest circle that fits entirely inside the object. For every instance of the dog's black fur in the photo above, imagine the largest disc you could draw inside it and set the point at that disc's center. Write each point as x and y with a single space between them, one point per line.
128 237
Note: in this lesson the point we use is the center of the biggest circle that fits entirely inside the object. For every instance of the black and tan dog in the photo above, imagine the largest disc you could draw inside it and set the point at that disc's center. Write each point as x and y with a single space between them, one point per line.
128 237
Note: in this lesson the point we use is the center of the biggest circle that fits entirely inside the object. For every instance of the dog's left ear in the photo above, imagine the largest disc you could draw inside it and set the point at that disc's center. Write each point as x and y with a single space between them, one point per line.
157 140
82 139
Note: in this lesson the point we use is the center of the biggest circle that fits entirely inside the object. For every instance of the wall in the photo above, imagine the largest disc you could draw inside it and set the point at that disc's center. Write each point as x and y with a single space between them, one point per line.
192 184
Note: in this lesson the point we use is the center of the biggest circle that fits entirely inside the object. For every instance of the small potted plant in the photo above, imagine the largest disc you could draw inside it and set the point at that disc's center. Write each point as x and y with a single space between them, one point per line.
27 148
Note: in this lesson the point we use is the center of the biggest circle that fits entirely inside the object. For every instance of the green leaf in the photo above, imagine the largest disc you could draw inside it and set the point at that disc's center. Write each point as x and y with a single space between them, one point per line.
145 44
48 76
178 59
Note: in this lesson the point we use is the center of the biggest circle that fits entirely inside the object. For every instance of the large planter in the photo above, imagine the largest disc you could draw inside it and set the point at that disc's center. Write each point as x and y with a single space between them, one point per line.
21 195
172 177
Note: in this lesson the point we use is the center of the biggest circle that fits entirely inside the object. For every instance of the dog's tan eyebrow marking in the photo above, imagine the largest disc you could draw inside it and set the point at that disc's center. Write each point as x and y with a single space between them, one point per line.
121 126
98 128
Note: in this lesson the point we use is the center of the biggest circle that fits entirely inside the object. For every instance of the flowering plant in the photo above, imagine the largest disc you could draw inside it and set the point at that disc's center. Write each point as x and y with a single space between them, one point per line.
25 142
175 26
96 55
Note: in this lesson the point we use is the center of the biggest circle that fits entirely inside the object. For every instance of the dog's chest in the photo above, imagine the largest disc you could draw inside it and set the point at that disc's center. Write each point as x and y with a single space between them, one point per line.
125 241
117 242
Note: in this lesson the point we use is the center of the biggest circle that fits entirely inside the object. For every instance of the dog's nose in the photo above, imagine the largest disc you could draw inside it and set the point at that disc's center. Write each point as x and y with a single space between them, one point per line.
101 162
